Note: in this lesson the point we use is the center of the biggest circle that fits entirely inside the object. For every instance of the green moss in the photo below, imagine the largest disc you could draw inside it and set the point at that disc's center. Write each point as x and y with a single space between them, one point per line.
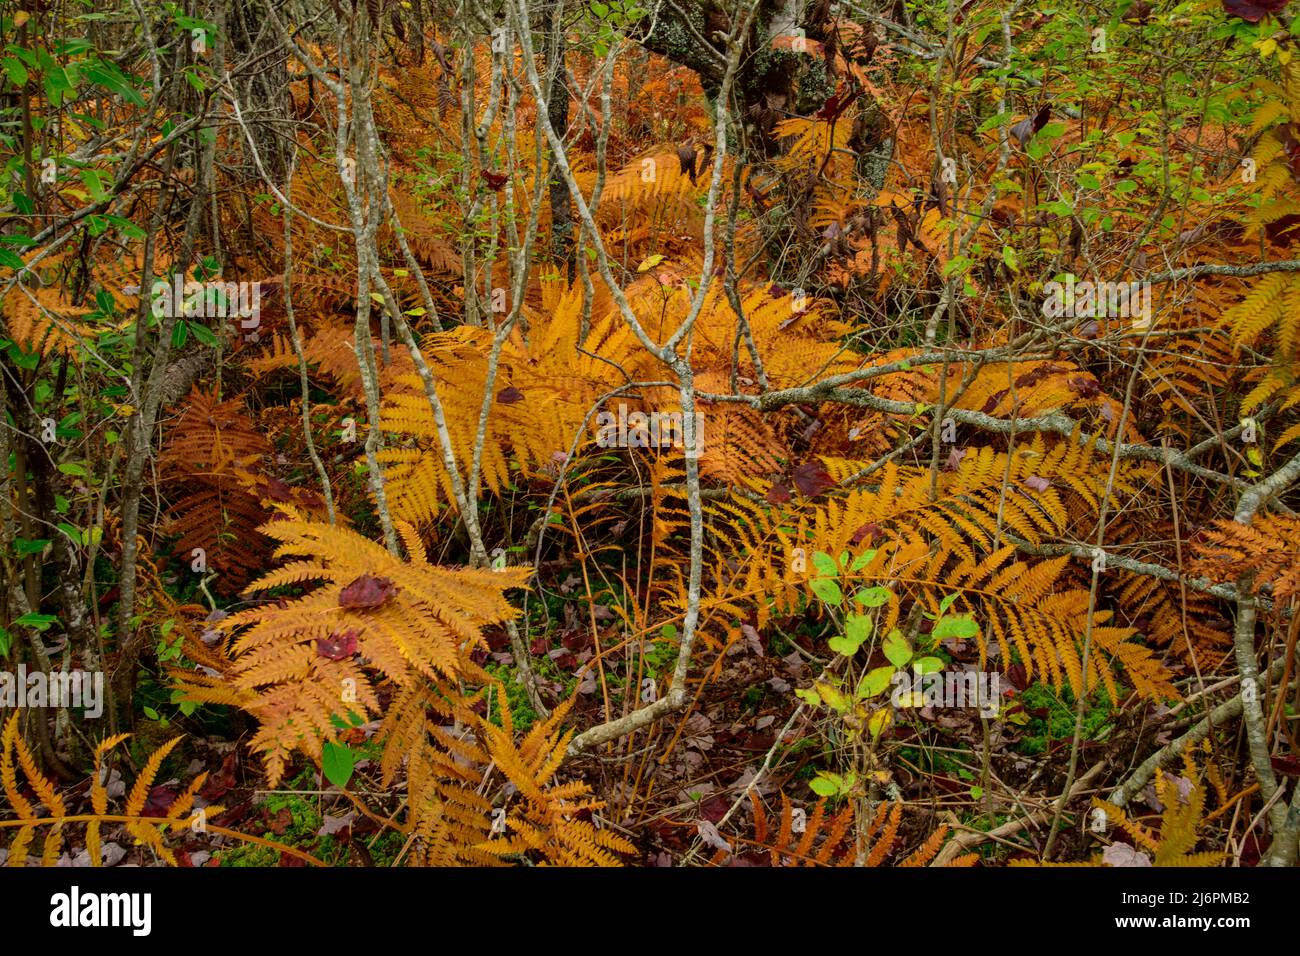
1040 733
521 710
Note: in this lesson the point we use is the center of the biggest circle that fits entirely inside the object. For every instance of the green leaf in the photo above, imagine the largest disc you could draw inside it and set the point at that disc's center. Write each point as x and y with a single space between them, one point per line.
41 622
108 76
6 642
825 564
72 468
897 651
336 762
927 665
809 697
57 83
841 644
823 786
204 334
857 627
828 591
960 626
875 681
862 560
23 546
873 597
15 70
94 184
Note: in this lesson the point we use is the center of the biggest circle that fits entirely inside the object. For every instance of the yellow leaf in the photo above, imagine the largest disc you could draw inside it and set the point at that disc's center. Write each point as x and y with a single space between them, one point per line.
649 262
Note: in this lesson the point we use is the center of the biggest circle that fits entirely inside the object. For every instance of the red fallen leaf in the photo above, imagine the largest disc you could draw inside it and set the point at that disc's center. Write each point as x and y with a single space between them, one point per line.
159 800
1036 375
1251 851
287 860
509 395
715 809
1089 330
577 640
1035 483
1086 387
236 814
1139 12
778 494
686 157
366 591
1016 675
994 401
277 490
217 784
1027 127
280 822
1286 133
837 104
867 533
1252 11
338 646
955 455
495 181
1290 766
540 646
310 498
812 478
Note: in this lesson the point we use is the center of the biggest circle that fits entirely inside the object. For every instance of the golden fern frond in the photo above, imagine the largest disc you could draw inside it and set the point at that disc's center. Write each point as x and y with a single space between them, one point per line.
42 321
1183 803
147 830
1268 548
412 622
548 819
923 547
